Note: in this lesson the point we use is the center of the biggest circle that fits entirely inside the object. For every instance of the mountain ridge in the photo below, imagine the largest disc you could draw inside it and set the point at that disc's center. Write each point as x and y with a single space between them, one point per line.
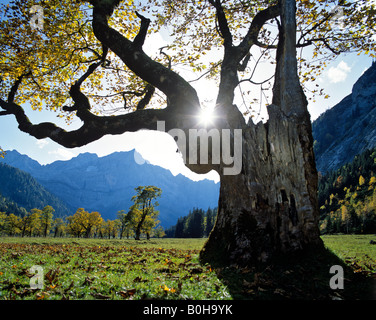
106 184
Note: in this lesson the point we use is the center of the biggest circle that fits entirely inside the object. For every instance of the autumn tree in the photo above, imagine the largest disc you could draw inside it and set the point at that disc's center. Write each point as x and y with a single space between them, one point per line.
83 222
35 222
12 224
25 223
73 228
85 59
143 211
361 180
3 218
150 223
126 223
108 228
46 219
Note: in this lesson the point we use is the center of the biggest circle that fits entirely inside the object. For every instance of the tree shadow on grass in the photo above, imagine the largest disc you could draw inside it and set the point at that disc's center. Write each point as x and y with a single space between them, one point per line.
302 276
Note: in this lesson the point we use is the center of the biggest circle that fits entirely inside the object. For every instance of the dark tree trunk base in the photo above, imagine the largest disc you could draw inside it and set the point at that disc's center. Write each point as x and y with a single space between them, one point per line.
271 206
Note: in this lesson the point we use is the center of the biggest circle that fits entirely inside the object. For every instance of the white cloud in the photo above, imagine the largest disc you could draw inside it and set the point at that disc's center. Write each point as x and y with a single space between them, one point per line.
62 154
42 143
339 73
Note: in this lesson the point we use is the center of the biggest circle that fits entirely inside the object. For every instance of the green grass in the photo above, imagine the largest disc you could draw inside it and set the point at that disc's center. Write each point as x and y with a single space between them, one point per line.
180 244
355 250
78 269
107 269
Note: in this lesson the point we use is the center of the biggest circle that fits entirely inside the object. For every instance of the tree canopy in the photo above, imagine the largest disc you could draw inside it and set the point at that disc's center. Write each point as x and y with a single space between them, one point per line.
82 222
86 58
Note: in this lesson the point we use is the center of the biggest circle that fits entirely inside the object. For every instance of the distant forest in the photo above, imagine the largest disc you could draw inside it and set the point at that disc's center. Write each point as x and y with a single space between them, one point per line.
347 196
9 206
197 224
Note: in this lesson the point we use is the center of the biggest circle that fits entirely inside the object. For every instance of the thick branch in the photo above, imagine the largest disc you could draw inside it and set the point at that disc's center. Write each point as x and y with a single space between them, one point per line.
236 58
181 112
94 127
257 23
147 97
179 92
244 63
223 24
14 88
81 102
140 38
107 7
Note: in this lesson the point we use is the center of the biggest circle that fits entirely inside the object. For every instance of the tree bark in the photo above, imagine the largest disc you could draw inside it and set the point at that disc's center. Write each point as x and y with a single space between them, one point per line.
271 206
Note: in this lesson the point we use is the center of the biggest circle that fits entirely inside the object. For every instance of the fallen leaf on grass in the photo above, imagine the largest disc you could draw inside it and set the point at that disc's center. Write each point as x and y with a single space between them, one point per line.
280 292
88 281
127 293
23 293
99 295
139 279
166 270
167 289
41 295
52 275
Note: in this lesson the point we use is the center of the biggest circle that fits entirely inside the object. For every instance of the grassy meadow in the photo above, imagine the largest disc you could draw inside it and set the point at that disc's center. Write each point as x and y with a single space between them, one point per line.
113 269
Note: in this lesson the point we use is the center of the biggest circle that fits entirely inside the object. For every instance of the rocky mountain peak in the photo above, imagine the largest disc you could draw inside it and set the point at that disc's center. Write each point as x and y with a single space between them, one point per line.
349 128
365 88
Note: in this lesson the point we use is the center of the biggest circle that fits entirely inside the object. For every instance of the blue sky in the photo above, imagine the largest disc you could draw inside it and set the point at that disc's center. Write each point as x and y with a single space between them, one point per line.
159 148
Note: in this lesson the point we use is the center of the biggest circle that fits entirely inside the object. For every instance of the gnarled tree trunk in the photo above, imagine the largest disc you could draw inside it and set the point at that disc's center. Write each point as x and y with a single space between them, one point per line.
271 206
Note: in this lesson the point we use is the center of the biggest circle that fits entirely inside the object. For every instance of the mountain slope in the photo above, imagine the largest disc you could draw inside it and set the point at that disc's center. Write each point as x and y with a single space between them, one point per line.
8 206
107 184
22 189
349 128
